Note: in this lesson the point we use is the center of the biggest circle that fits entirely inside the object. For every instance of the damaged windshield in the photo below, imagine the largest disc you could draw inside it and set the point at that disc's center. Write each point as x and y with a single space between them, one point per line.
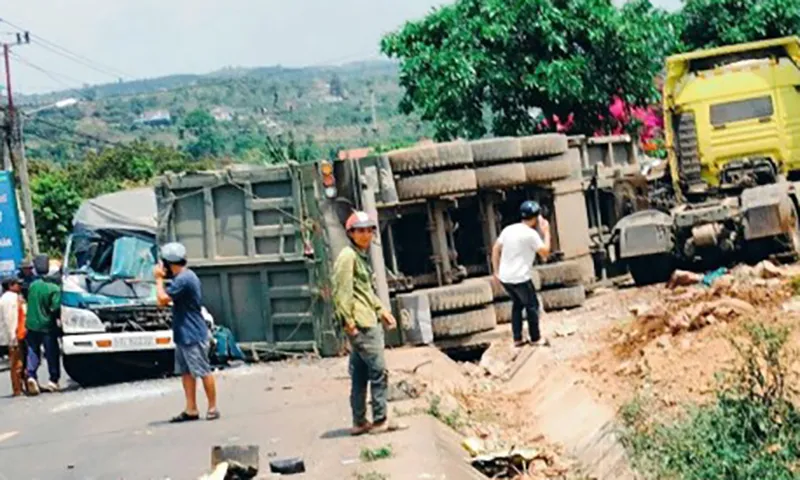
112 263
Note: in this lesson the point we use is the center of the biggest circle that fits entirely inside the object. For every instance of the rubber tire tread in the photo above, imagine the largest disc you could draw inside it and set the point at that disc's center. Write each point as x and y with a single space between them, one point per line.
494 150
563 298
550 170
544 145
464 323
499 292
414 158
429 185
454 154
501 176
469 293
502 310
562 274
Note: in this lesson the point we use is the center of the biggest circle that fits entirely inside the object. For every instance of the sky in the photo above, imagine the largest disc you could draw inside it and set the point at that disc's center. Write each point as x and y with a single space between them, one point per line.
151 38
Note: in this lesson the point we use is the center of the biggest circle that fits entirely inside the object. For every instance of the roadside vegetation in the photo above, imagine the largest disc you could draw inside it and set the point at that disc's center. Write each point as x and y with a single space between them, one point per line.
750 431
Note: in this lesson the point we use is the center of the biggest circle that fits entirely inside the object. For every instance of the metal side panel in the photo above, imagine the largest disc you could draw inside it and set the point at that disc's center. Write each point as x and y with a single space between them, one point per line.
272 304
643 233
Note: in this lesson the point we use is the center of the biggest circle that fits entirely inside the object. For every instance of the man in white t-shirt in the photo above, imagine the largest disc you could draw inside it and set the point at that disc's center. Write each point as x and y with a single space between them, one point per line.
512 260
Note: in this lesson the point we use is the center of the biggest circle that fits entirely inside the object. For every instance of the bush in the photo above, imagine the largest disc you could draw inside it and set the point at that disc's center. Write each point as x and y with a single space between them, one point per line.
751 431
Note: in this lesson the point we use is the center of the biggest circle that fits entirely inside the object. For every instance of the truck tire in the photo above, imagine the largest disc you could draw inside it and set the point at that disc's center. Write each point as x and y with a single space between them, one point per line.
429 185
543 145
563 298
501 176
434 156
651 269
562 274
502 310
550 170
499 292
464 323
493 150
469 293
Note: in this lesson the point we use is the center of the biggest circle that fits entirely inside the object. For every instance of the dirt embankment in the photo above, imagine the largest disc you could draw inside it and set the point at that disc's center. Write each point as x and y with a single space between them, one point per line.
669 346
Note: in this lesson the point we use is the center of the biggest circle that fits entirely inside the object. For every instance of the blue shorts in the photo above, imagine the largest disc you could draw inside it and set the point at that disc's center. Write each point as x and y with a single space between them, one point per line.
192 359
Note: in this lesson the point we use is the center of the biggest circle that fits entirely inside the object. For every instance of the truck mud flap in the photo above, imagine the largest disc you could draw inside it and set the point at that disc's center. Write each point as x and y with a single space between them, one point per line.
767 211
648 232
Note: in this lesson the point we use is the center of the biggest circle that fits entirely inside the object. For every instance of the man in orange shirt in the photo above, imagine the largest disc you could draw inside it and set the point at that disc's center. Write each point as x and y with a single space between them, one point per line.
12 320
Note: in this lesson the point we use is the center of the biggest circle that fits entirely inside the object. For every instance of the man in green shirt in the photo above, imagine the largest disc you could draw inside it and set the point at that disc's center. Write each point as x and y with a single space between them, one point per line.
41 321
359 309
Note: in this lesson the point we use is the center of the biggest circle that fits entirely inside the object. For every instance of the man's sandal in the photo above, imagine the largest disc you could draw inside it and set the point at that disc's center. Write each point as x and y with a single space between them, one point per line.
386 427
184 417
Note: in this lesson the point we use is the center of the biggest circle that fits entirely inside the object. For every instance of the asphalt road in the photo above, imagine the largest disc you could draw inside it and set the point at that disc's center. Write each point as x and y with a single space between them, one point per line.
120 432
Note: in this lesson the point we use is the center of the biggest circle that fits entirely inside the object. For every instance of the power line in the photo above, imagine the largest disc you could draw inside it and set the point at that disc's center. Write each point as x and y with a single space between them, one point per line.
75 57
49 73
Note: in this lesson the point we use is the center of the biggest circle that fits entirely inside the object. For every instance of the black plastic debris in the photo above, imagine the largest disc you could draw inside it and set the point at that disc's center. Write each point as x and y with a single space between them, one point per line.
287 466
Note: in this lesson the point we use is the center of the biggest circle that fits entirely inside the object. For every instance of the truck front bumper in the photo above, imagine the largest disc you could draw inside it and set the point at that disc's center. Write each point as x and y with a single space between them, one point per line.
117 342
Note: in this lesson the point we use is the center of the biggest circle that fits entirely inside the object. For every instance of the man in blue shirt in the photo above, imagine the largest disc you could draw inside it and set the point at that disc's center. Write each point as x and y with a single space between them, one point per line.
189 330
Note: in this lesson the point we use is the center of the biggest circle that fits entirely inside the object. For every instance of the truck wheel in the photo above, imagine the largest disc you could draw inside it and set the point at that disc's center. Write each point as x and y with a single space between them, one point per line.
501 176
499 292
465 323
550 170
493 150
502 310
563 298
469 293
562 274
651 269
429 185
430 156
543 145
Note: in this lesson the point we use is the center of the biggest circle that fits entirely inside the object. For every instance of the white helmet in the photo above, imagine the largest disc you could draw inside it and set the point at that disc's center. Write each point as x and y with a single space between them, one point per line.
173 252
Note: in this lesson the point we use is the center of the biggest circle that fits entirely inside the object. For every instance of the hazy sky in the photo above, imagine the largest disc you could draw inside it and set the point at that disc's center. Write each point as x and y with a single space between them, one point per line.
149 38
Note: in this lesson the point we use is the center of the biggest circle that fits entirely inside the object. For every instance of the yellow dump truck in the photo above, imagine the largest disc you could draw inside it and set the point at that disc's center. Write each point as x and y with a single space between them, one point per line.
732 123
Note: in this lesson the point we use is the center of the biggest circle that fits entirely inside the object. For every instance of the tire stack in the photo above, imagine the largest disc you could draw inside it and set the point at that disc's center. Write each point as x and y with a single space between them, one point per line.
508 162
433 170
461 309
562 285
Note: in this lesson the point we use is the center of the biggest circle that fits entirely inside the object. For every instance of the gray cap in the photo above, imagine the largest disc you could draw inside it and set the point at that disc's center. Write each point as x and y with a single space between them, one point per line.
173 252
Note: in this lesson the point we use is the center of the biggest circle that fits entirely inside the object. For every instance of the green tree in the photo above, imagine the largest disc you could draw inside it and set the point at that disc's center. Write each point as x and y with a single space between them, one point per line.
711 23
481 65
207 141
55 201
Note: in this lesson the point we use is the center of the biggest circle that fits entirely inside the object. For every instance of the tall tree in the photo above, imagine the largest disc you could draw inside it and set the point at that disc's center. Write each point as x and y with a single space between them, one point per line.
480 65
711 23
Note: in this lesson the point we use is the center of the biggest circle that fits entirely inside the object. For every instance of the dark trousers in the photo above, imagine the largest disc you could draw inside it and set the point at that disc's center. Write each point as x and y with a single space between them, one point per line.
368 368
523 296
52 352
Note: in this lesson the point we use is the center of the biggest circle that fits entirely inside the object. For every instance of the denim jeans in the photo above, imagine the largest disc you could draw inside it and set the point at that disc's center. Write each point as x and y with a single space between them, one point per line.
523 297
368 367
52 352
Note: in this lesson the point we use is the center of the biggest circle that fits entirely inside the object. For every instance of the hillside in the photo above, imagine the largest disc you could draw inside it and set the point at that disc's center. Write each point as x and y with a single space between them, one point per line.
246 112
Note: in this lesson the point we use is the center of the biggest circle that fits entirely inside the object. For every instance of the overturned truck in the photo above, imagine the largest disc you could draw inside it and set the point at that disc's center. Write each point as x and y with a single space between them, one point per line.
263 239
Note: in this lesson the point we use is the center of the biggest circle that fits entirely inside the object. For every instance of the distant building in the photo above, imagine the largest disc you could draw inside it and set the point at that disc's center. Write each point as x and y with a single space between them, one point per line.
222 114
354 153
155 118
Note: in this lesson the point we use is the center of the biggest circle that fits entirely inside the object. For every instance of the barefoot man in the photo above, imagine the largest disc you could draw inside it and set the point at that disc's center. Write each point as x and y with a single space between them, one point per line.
358 307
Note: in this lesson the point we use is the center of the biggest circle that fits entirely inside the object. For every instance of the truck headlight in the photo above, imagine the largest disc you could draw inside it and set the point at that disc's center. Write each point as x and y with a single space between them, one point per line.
78 320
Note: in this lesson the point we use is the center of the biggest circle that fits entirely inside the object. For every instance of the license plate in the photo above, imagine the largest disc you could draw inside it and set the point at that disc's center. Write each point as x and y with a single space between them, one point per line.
132 342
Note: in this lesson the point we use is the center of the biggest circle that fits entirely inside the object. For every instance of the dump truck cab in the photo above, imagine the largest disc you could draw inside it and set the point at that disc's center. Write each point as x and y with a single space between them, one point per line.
732 116
733 139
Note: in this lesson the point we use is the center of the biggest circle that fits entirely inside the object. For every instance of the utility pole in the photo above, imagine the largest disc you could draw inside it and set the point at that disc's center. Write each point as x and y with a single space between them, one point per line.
374 111
17 151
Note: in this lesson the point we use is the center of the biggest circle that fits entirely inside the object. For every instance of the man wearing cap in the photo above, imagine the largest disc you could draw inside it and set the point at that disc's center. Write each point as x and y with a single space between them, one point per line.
358 307
12 331
189 330
41 322
513 255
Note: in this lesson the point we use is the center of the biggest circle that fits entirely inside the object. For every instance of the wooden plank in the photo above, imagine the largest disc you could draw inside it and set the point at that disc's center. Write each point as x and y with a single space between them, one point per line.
284 203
